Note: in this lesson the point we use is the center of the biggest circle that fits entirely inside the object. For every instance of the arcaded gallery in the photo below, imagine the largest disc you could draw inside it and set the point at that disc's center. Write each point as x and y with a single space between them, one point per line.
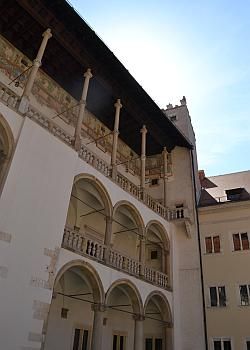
98 229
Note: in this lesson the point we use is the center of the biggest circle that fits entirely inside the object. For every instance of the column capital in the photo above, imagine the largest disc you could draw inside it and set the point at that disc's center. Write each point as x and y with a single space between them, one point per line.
88 74
144 129
118 104
37 63
47 33
98 307
138 317
165 150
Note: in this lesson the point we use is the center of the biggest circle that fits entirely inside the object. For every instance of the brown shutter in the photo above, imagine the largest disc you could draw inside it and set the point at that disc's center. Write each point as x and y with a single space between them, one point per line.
208 241
236 240
216 241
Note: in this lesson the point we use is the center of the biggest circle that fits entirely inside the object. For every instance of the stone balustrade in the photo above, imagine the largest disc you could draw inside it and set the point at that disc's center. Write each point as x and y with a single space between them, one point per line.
82 244
7 96
11 99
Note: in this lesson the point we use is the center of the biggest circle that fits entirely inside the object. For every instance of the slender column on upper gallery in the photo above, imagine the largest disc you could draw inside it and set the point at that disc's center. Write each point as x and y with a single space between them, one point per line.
33 72
165 174
118 107
87 76
143 156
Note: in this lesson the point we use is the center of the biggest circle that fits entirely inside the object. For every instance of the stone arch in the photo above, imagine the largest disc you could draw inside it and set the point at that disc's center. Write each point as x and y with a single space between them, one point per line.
163 305
138 218
157 247
130 290
91 275
158 325
90 208
6 146
101 188
162 231
127 230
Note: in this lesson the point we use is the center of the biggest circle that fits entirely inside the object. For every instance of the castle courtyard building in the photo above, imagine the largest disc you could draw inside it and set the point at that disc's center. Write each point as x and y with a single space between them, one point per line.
98 190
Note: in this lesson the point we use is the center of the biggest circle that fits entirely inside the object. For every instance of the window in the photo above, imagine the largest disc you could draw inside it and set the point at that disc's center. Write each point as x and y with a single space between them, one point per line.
154 254
212 244
248 344
222 344
241 241
154 182
217 296
173 118
119 342
153 343
81 339
244 294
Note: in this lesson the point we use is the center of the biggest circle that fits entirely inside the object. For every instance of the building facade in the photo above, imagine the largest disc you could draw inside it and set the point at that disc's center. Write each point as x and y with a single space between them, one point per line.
225 234
98 229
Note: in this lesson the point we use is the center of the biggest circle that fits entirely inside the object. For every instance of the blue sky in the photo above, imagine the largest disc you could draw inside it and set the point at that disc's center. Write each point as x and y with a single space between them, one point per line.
194 48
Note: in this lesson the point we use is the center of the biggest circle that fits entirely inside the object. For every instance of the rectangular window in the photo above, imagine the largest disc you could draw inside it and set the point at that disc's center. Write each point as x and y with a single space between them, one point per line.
158 344
212 244
244 294
149 344
119 342
241 241
217 296
222 344
80 339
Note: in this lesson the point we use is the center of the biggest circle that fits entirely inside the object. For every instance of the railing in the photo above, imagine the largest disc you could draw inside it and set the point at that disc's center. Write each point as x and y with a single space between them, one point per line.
178 213
9 97
81 244
12 99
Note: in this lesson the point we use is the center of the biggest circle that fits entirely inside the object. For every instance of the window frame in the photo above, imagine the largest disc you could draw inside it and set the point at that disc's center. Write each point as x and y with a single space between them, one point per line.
212 243
222 340
120 334
153 337
248 294
240 241
82 328
218 299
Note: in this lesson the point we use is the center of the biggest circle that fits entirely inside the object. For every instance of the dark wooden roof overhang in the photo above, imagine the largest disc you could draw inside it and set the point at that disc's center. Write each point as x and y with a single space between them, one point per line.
75 47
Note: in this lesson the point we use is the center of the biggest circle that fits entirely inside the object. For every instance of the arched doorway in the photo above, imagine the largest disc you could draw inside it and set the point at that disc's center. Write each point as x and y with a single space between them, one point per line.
157 247
158 323
6 147
89 216
123 303
70 321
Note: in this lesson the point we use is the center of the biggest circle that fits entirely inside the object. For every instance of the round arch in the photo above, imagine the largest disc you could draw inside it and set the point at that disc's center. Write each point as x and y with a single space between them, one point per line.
162 304
137 216
6 146
100 188
163 233
131 291
91 275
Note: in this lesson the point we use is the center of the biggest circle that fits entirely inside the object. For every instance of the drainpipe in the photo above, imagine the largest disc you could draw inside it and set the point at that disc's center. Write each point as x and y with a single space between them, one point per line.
200 256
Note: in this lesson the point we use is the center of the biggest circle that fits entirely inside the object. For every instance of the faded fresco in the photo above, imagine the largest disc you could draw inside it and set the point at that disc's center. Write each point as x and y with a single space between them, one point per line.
48 93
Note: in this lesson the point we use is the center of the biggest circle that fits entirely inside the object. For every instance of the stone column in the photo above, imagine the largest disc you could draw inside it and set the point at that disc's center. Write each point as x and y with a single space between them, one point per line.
142 254
168 341
138 332
143 156
118 107
33 72
87 76
96 341
108 236
165 174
